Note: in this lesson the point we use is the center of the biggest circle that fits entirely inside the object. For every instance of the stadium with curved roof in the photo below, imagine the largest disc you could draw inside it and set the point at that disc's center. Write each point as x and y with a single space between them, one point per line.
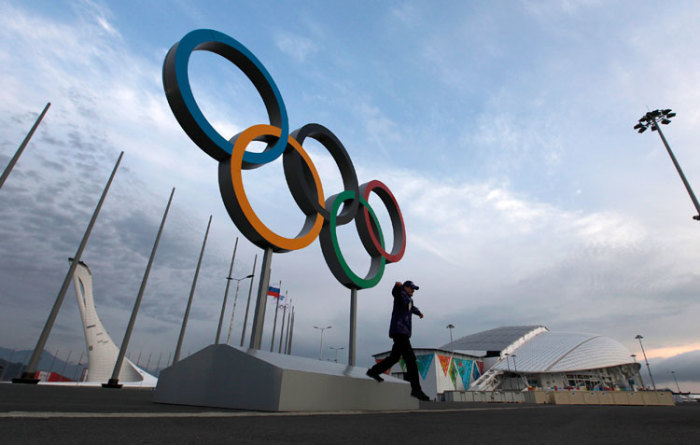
519 356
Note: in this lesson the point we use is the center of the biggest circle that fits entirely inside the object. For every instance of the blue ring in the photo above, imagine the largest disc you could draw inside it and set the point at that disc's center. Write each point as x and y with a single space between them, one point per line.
193 41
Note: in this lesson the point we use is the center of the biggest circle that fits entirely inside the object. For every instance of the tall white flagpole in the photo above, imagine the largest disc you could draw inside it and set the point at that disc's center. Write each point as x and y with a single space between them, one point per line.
30 370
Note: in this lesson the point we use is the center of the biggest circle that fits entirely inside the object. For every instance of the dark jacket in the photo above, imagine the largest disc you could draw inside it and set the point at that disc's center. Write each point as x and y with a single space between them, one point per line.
402 312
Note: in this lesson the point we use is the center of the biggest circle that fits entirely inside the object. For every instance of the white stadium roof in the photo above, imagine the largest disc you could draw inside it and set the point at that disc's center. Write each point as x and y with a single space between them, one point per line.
492 340
566 352
534 349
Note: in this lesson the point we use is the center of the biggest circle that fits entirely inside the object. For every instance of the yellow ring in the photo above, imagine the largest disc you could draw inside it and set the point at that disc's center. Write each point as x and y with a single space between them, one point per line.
280 242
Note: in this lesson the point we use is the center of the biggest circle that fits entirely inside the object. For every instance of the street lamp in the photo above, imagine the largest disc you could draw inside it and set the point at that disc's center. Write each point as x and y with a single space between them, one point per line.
320 348
235 299
639 337
450 327
676 380
336 352
652 119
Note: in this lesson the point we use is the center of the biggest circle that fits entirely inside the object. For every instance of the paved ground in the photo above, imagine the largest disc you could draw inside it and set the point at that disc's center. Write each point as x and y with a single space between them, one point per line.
44 414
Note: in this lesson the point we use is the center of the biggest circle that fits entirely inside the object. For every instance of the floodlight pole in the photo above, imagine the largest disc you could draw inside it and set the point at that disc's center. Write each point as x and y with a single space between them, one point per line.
450 327
651 119
24 143
676 380
114 380
639 337
30 371
680 172
235 299
247 306
176 358
223 305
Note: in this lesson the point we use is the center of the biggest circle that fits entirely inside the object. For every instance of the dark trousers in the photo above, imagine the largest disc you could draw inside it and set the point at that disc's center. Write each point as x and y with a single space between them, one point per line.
402 348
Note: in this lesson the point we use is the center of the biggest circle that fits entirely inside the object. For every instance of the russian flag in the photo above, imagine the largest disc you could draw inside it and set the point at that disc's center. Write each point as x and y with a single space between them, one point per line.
273 291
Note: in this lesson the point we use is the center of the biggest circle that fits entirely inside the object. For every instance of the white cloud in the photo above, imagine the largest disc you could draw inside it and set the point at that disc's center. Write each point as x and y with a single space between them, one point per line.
294 45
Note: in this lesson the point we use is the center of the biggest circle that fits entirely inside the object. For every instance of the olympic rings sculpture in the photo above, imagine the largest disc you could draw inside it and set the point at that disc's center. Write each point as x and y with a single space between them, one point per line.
322 216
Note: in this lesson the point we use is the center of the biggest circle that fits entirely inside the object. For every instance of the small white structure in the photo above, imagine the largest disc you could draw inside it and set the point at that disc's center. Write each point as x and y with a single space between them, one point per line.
101 350
440 370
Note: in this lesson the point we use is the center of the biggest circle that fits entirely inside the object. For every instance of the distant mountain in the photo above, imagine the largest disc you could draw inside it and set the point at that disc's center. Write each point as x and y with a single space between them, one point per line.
14 362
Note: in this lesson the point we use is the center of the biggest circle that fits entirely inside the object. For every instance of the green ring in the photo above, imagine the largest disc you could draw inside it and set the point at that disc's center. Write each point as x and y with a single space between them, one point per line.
361 283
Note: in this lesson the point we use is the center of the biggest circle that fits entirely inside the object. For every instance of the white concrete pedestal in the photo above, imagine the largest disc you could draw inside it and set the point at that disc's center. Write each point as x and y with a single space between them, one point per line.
223 376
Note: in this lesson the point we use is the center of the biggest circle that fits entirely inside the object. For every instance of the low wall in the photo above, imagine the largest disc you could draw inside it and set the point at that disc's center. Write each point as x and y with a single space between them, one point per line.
648 398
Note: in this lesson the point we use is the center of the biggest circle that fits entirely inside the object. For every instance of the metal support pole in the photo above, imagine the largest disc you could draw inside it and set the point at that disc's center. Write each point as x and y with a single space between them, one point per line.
289 324
113 382
247 306
24 143
259 316
223 306
189 301
639 337
353 327
284 314
291 334
679 170
28 375
274 322
673 373
233 312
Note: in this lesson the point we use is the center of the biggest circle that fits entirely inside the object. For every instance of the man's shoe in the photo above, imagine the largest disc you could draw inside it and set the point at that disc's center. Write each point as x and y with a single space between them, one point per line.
420 395
374 375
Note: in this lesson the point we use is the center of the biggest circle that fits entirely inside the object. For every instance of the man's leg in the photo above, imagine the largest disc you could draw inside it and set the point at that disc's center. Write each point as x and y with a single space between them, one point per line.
412 369
409 357
385 364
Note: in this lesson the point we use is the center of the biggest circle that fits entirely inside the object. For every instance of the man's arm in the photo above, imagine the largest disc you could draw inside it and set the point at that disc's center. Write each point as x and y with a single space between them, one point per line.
396 291
417 311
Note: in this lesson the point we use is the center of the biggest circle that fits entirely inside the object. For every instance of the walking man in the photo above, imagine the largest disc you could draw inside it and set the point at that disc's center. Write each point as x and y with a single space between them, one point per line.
400 332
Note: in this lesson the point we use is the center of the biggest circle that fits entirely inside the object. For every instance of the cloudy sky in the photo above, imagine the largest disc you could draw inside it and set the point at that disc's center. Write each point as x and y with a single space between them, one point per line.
504 129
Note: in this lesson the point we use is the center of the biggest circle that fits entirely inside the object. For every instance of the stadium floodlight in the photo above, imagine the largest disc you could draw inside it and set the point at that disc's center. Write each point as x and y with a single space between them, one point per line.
651 120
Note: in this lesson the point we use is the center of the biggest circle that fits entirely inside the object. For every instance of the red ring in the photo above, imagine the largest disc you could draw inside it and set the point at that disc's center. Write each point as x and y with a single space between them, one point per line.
398 226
